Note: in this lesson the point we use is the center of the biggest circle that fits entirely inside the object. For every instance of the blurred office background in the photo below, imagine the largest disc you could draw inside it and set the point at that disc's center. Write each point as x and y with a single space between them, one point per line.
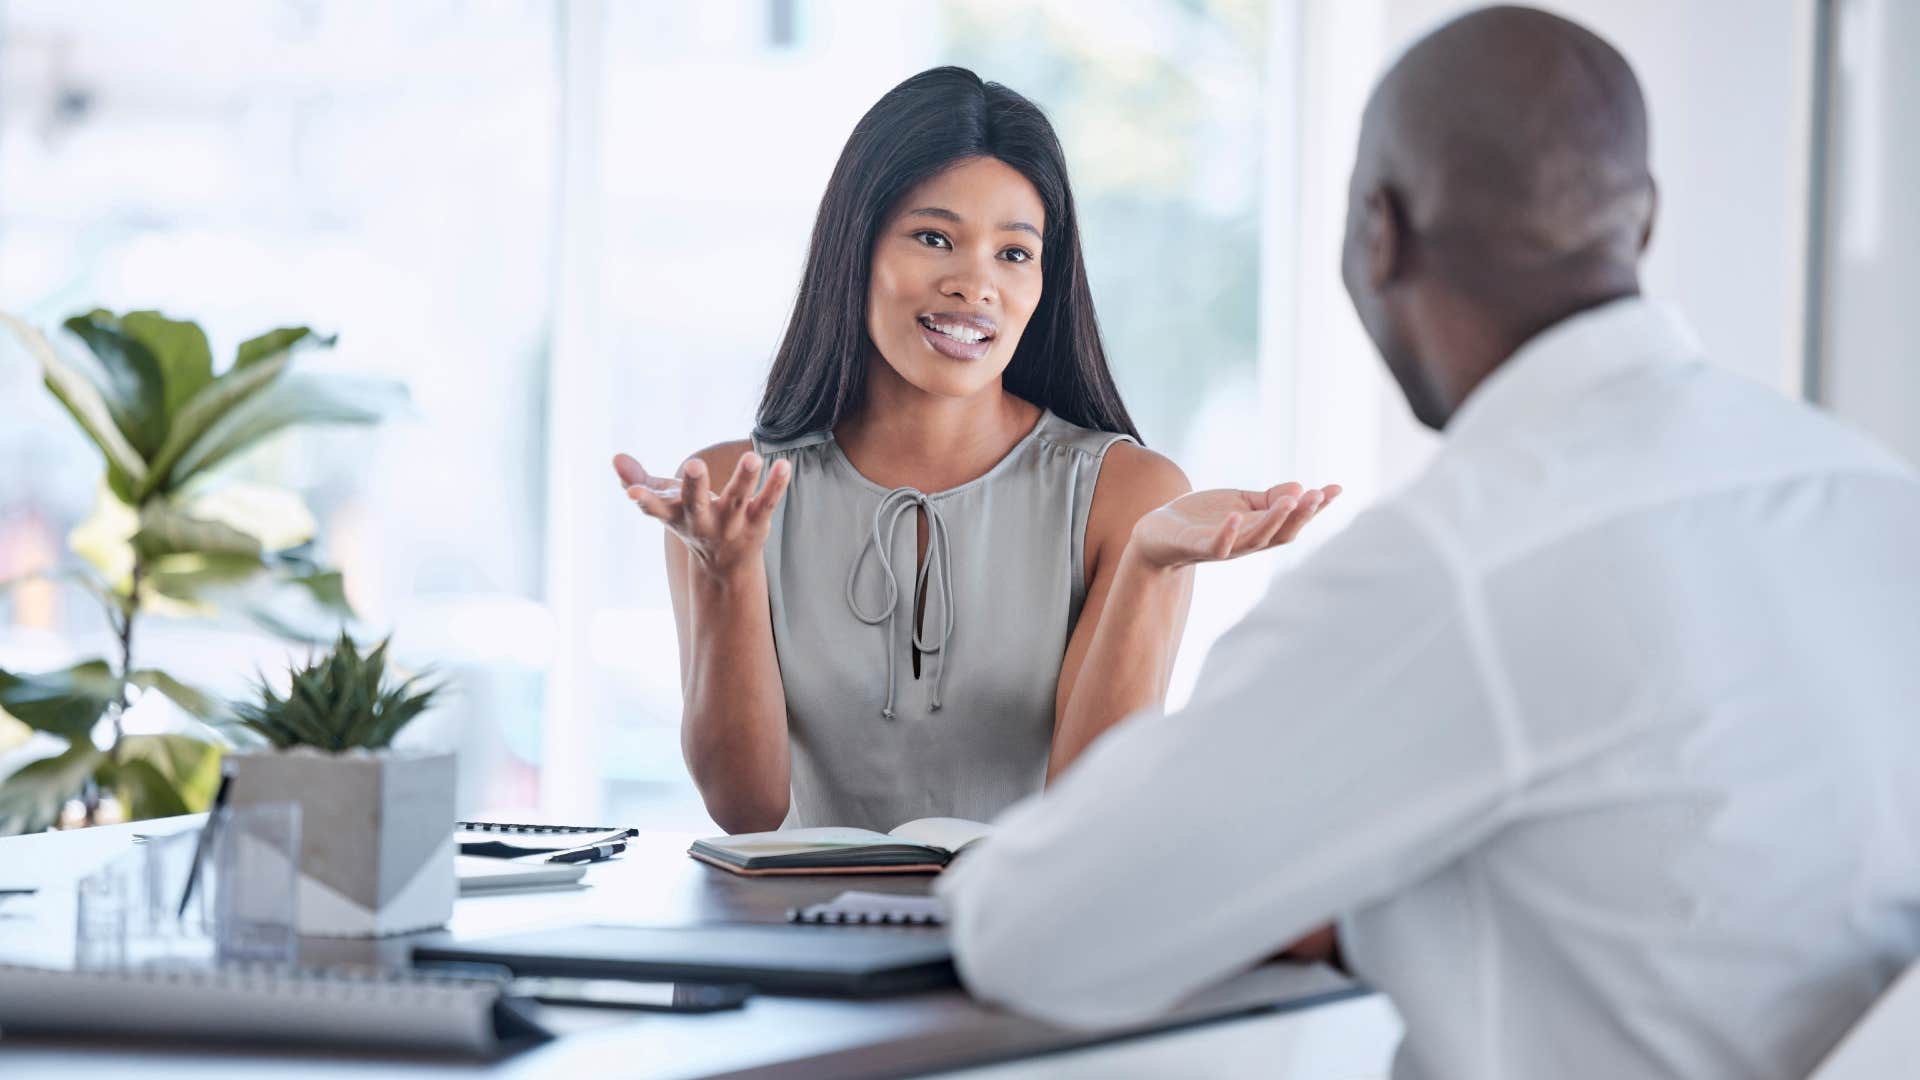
575 228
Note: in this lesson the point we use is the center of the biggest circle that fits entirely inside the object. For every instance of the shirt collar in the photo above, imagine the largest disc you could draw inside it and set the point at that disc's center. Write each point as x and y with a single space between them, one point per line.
1569 359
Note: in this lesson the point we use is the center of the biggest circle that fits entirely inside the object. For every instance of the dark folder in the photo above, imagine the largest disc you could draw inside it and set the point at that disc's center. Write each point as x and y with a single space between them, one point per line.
775 958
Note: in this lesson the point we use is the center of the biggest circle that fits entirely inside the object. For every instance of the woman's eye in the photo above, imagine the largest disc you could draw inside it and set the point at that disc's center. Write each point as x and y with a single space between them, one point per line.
1018 255
931 239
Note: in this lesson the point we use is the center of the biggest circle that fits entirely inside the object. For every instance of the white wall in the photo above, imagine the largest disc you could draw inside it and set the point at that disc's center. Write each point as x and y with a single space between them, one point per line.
1870 369
1728 91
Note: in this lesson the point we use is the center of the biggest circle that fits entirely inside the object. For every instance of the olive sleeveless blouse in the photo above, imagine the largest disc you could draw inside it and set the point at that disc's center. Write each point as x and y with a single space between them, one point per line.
873 744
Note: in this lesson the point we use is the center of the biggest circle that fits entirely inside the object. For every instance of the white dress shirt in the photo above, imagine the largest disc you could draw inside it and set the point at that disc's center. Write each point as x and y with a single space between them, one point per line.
1602 740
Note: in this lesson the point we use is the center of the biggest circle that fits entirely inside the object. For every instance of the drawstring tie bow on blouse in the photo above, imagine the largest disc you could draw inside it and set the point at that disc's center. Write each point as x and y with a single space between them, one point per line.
938 561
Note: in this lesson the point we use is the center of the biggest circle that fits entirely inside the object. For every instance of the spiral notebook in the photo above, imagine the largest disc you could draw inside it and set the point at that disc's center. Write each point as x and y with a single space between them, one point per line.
499 840
348 1009
857 908
921 846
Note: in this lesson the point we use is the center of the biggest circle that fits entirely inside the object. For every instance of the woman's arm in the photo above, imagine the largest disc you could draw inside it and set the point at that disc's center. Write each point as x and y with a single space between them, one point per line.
1150 529
734 727
1127 657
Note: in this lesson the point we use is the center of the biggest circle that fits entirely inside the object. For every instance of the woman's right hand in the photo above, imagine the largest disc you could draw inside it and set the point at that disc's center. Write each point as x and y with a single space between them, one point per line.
722 531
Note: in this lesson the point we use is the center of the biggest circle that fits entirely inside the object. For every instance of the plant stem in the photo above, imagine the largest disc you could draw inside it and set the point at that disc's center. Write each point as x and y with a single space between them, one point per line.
126 648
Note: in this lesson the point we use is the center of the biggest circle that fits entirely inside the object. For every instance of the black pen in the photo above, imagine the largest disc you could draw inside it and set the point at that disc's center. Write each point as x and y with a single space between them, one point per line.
206 834
589 854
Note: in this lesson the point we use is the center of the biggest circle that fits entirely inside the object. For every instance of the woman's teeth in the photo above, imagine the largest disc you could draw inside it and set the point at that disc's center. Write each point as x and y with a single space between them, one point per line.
958 333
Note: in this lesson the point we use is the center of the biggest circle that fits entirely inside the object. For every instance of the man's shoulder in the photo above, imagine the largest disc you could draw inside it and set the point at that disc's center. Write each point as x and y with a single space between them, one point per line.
1680 436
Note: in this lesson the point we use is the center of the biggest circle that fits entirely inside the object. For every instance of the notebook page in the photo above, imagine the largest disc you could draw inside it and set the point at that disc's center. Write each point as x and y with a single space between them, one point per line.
796 841
946 833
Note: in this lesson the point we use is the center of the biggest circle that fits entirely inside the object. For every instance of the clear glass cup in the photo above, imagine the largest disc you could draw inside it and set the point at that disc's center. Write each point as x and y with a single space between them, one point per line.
129 912
225 893
256 883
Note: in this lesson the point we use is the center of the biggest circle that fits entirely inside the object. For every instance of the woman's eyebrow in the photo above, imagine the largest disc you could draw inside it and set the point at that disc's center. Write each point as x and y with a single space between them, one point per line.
940 212
945 214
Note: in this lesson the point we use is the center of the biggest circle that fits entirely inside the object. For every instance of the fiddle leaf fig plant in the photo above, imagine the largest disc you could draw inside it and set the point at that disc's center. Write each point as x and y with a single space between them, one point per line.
170 535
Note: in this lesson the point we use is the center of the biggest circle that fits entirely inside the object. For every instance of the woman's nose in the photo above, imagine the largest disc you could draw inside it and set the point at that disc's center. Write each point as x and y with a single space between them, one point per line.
973 285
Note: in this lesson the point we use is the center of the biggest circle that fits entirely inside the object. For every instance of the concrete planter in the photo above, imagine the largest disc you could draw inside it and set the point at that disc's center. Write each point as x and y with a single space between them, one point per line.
376 835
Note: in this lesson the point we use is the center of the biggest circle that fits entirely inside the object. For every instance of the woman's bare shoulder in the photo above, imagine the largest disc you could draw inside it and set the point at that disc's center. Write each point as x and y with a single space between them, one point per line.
1134 482
721 457
1133 475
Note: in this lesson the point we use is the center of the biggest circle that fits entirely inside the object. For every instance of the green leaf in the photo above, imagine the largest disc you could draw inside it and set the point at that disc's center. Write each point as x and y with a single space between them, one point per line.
66 703
145 792
276 343
136 391
123 486
13 733
164 775
329 589
199 415
203 705
105 539
277 516
292 400
202 578
166 530
180 348
31 799
306 604
82 398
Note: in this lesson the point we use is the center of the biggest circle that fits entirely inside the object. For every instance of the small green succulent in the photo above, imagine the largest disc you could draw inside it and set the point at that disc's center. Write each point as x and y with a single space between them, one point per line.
336 703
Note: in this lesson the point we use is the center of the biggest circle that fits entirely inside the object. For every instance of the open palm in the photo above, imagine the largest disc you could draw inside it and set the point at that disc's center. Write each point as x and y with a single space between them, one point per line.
1207 526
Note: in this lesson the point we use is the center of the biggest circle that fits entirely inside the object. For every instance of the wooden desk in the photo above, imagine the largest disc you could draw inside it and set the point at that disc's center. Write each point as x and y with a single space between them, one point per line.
654 883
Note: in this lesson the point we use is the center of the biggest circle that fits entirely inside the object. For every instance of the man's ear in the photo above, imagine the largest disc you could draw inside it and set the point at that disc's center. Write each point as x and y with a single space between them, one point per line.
1653 213
1385 238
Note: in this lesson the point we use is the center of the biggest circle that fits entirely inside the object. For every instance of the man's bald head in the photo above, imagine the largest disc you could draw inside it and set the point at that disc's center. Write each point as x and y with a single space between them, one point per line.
1501 181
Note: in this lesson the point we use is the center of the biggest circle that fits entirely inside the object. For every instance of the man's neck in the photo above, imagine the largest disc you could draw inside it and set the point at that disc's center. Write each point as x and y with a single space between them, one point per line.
1477 336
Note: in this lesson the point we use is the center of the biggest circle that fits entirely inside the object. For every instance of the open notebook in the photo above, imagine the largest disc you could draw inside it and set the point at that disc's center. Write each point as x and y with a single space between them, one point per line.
921 846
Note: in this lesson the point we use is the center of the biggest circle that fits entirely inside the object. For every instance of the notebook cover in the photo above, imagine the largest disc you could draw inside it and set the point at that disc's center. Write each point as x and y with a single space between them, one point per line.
257 1005
479 876
773 957
772 871
510 842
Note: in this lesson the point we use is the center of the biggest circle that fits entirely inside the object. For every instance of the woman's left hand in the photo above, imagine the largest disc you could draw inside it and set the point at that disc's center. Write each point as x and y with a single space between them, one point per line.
1208 526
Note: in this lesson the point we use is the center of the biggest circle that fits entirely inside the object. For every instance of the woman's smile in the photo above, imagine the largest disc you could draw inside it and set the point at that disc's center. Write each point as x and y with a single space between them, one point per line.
957 336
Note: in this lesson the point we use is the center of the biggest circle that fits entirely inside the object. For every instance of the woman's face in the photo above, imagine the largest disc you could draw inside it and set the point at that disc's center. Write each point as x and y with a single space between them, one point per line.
956 276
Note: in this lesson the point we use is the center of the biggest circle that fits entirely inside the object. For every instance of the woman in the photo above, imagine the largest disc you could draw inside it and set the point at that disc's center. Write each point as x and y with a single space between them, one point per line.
943 370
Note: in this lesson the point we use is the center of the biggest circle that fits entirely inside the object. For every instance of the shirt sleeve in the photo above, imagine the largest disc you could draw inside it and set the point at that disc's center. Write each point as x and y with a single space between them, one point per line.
1347 737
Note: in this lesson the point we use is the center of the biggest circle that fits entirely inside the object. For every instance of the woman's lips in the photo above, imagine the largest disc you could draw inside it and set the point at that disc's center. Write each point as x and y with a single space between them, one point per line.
953 348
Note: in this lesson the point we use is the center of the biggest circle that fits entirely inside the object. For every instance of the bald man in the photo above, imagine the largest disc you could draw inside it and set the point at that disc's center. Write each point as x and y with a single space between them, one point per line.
1601 742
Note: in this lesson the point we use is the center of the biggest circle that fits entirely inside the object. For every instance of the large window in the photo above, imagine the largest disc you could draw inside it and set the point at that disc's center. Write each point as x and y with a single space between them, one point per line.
722 123
437 181
379 170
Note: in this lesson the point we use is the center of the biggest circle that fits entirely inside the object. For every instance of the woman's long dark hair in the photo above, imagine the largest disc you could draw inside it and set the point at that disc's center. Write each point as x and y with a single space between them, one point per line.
921 127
